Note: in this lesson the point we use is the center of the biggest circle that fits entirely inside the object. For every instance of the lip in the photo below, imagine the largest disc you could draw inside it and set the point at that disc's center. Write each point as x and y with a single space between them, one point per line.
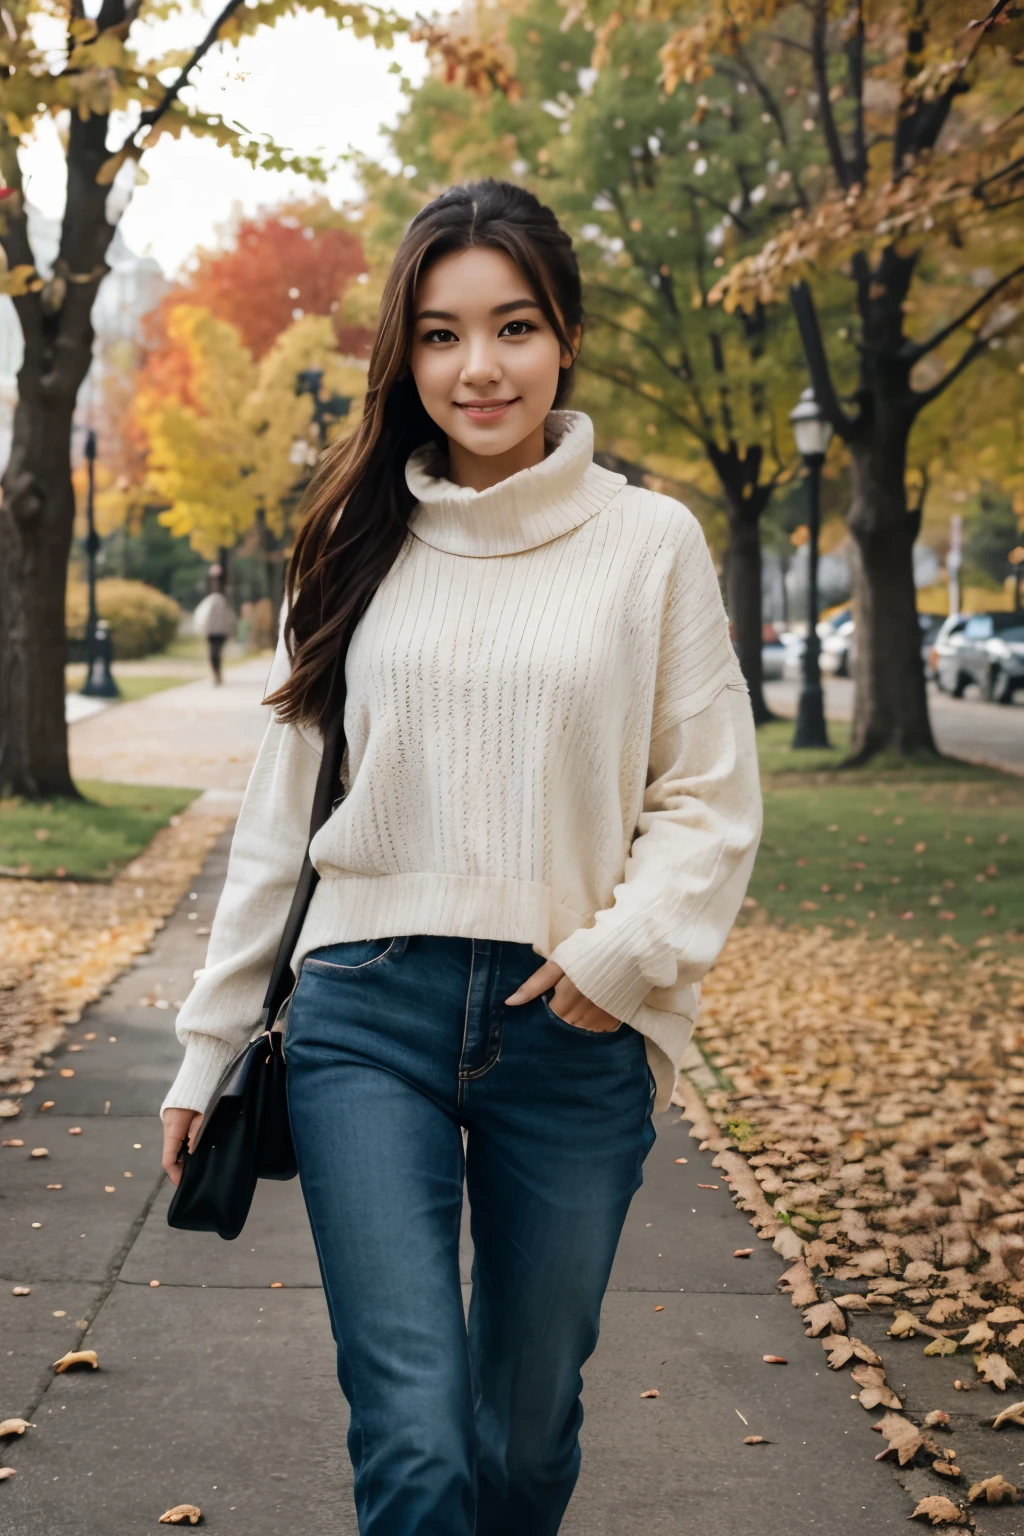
486 410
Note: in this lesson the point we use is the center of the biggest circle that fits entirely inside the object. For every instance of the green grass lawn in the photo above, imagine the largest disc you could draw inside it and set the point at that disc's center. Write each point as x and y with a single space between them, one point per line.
132 685
862 849
89 839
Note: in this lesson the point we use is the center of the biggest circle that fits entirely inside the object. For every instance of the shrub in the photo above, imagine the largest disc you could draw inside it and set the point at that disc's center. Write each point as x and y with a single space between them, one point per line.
142 620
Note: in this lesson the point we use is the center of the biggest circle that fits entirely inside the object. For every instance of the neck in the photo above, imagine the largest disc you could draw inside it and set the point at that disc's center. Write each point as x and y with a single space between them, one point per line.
478 472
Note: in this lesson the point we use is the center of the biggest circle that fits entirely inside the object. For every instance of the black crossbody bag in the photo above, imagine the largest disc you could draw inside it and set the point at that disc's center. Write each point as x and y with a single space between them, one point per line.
245 1134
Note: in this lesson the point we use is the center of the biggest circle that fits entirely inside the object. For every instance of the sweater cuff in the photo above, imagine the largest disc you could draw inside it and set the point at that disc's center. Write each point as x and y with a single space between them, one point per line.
606 973
206 1057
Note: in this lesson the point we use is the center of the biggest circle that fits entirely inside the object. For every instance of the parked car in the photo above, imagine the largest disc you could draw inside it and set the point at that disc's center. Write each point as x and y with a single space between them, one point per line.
773 653
839 642
986 649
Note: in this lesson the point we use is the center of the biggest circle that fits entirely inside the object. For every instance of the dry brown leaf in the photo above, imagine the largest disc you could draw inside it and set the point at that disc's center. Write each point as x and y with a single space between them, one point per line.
1013 1413
978 1333
937 1419
943 1308
946 1468
182 1513
799 1282
852 1303
651 1392
742 1253
903 1326
6 1472
1015 1336
939 1510
825 1315
995 1370
76 1357
1005 1315
774 1359
903 1437
14 1427
941 1346
755 1440
994 1490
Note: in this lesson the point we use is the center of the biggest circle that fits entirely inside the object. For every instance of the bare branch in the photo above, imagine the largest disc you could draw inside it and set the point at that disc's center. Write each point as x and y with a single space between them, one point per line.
817 361
855 75
917 350
921 398
624 382
819 54
173 91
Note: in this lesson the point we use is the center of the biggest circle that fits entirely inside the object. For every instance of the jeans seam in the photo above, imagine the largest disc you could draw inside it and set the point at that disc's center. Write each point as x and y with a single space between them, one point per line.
465 1017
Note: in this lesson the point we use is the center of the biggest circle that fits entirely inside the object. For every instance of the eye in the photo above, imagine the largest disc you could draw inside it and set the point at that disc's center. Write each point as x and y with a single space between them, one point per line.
514 328
440 337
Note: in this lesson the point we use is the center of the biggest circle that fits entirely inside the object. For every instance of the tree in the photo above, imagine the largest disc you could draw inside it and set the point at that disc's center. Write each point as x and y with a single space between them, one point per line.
658 191
102 74
916 106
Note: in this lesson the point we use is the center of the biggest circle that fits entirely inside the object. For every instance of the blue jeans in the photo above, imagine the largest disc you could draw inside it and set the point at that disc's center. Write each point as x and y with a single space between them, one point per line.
394 1045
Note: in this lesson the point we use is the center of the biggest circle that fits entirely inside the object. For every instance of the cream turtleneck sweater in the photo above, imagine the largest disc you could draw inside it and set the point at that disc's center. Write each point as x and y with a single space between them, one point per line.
549 741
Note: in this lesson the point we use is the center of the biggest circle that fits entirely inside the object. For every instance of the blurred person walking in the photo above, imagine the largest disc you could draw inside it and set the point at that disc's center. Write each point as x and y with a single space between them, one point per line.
549 757
215 618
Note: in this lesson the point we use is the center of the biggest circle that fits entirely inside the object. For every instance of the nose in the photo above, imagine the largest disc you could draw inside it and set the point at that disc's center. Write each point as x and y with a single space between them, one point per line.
481 366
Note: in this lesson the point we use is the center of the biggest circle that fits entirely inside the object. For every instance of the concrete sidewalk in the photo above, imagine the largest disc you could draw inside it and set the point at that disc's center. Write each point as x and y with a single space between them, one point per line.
216 1390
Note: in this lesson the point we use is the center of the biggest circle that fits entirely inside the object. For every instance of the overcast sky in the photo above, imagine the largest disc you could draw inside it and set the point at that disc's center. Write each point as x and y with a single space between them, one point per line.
305 82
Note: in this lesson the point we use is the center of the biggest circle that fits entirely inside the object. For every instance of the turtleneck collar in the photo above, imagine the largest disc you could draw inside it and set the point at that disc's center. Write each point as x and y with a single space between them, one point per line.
530 508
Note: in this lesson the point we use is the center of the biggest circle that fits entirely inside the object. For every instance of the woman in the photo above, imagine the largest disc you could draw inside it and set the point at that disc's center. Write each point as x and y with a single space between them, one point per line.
215 618
550 754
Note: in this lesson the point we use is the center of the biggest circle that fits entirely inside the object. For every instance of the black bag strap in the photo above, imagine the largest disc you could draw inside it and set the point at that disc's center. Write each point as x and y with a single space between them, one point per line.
327 796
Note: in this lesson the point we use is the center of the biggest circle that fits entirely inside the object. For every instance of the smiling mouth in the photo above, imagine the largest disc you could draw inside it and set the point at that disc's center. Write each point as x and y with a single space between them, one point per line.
485 407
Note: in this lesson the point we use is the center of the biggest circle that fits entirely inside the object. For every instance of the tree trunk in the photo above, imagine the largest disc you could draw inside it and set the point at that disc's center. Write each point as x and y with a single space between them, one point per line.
743 593
890 701
36 525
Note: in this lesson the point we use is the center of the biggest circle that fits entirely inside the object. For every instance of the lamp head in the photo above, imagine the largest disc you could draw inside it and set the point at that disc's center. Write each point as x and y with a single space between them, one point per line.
811 429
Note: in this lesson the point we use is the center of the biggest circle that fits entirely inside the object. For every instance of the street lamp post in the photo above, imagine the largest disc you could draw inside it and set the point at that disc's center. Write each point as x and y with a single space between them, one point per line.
813 433
99 680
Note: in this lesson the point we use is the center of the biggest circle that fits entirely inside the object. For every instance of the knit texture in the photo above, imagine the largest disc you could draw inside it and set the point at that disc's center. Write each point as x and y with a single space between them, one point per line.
549 741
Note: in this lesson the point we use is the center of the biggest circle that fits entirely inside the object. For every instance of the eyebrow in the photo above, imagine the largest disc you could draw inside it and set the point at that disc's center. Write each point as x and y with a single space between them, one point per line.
499 309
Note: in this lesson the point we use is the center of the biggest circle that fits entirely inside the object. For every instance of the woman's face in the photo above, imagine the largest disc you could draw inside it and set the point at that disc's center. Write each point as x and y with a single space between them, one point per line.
484 358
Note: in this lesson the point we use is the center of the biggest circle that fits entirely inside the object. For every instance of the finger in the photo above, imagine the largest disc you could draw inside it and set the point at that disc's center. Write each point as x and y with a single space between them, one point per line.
548 974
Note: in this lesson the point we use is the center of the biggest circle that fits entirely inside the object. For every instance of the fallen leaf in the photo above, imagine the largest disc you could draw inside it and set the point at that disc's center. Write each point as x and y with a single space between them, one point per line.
799 1282
742 1253
978 1333
903 1326
755 1440
67 1071
652 1392
707 1186
76 1357
943 1308
682 1159
1005 1315
994 1490
1013 1413
852 1303
825 1315
40 1152
774 1359
995 1370
658 1308
938 1419
22 1290
941 1347
946 1468
939 1510
6 1472
1015 1336
14 1427
180 1514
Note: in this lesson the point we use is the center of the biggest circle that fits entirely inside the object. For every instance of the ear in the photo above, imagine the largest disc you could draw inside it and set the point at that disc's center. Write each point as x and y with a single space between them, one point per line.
568 358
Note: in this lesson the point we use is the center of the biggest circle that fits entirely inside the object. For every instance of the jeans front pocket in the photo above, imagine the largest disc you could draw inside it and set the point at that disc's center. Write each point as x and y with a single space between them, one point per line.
352 955
588 1034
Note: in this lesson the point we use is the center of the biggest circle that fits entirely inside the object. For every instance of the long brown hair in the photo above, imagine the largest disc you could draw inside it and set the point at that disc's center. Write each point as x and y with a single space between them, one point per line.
357 505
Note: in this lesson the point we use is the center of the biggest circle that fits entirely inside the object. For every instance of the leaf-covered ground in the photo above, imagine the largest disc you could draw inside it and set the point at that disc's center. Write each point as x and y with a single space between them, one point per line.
62 942
87 839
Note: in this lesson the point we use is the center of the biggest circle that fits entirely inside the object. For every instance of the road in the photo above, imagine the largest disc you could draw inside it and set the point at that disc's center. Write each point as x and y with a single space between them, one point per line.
969 728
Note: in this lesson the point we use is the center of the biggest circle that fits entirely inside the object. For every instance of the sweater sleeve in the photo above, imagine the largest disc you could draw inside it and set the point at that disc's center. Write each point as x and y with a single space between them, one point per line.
267 850
687 868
